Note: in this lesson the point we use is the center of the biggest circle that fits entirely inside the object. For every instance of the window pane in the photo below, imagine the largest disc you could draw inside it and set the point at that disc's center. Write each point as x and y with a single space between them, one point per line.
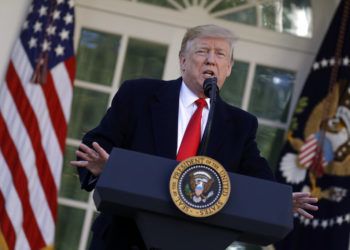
288 16
232 91
161 3
297 17
208 2
87 110
272 93
223 5
247 16
144 59
270 142
69 226
269 17
70 185
180 2
97 56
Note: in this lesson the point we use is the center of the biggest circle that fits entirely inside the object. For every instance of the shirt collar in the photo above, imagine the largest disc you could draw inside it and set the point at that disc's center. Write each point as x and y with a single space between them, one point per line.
187 97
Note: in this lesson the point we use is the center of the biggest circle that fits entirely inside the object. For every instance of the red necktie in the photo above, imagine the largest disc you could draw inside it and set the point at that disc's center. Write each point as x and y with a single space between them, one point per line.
192 137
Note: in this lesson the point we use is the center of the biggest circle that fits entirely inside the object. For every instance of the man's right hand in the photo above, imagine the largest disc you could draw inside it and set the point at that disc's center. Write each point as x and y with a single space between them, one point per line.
91 159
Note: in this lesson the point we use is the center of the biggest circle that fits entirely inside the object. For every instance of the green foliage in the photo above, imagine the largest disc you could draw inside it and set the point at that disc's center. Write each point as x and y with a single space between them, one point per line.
303 102
294 124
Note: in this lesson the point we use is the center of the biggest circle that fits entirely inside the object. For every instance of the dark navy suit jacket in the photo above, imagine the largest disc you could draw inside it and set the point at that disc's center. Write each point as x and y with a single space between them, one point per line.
144 117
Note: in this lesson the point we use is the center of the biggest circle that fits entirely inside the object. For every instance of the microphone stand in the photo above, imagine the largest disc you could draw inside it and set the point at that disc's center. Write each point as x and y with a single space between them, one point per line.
210 90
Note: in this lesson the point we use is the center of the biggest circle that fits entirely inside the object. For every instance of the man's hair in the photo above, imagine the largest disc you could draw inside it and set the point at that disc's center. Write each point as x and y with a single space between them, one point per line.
209 30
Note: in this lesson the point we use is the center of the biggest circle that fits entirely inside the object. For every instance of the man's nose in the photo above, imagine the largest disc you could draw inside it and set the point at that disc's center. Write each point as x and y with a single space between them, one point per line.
210 58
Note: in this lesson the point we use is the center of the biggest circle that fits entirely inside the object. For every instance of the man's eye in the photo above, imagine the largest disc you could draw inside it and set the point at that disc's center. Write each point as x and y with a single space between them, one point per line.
201 52
221 54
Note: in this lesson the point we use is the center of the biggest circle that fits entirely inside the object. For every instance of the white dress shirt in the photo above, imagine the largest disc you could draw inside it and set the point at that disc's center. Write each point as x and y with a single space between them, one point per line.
187 107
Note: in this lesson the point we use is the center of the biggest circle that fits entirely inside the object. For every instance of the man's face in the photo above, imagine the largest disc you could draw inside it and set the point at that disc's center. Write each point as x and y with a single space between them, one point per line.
203 58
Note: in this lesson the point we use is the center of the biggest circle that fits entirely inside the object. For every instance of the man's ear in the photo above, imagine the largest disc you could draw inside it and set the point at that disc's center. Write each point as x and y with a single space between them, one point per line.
182 61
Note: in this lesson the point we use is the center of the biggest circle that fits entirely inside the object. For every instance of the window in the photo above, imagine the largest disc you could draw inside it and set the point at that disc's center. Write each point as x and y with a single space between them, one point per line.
289 16
97 62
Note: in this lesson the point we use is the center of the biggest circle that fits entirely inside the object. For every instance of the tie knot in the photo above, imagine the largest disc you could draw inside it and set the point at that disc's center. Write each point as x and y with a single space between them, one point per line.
201 103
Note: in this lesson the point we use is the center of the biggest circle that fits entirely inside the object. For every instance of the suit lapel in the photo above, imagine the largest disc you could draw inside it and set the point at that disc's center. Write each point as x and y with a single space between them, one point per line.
221 124
165 111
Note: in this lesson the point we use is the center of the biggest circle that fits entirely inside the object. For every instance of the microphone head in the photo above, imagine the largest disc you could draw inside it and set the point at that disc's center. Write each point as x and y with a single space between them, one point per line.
209 84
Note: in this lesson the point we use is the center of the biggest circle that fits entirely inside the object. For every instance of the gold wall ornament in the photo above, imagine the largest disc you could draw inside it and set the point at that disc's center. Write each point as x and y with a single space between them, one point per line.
335 129
316 117
327 132
200 186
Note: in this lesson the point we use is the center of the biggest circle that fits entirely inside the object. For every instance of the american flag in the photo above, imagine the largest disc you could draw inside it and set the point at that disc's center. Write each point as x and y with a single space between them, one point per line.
35 100
308 152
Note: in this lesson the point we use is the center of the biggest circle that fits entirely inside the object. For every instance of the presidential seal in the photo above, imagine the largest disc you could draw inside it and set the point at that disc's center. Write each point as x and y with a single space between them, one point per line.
200 186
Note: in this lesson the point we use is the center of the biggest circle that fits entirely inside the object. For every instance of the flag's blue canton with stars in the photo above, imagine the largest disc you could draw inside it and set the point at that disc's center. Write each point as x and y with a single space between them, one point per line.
49 28
316 156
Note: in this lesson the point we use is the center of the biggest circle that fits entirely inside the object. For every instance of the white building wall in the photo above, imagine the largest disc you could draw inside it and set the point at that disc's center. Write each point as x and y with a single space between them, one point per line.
12 15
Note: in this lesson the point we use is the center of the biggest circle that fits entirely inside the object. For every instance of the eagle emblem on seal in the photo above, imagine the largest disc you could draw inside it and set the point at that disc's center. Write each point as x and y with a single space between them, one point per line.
326 143
199 188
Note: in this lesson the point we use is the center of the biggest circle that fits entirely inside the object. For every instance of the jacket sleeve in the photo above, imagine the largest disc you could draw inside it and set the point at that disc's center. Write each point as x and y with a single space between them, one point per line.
111 132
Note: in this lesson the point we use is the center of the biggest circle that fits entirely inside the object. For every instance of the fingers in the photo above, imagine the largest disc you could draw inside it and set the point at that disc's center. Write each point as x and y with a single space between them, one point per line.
305 205
304 213
85 164
302 197
84 156
303 201
310 207
93 159
102 153
298 195
88 152
79 163
311 200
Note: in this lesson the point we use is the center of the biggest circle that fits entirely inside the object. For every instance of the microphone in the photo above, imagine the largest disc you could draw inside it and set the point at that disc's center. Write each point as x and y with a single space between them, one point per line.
210 84
210 90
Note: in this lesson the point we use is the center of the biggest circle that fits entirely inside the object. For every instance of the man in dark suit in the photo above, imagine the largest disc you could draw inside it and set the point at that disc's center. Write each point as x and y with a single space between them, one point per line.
151 116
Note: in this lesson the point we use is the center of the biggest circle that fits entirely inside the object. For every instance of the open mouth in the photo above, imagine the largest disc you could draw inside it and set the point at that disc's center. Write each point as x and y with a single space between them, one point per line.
208 73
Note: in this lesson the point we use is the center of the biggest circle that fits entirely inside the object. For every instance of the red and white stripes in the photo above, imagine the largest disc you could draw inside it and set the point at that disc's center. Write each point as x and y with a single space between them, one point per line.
308 152
33 127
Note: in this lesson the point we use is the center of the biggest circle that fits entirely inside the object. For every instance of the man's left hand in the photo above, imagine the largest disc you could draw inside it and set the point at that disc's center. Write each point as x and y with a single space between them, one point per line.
303 201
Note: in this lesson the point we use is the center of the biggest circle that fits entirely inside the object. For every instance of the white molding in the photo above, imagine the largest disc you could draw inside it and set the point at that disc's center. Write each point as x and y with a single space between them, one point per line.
93 86
241 7
175 4
73 142
272 124
187 3
212 5
73 203
87 224
12 16
185 19
118 67
248 85
171 67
